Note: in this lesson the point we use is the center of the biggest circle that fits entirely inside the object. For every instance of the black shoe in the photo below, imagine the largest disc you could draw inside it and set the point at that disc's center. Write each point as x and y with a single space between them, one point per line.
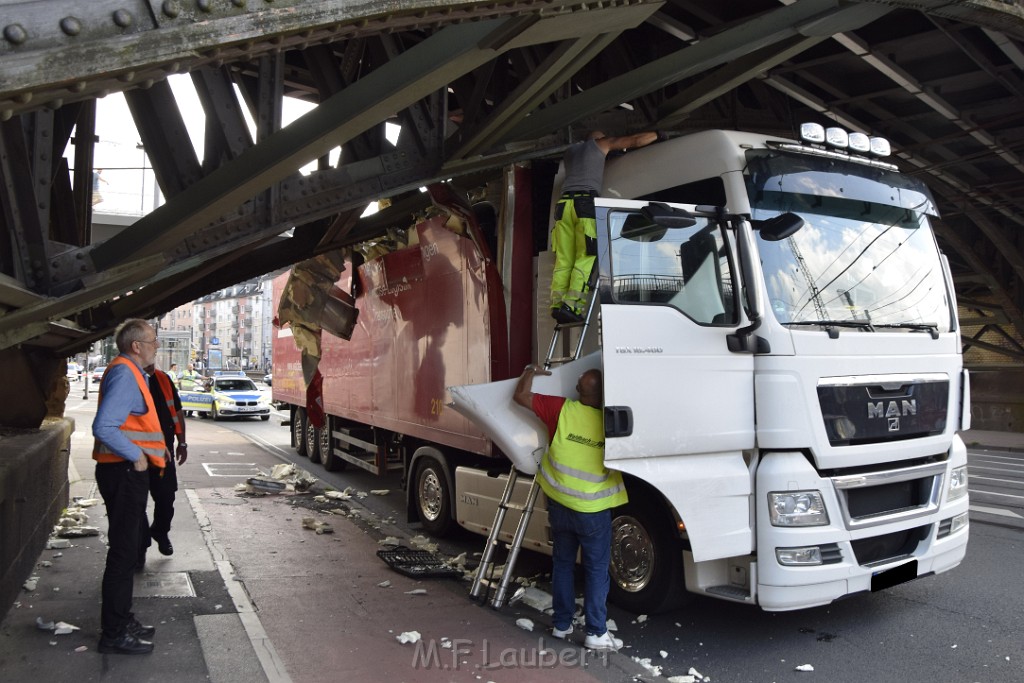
140 630
125 644
564 315
164 546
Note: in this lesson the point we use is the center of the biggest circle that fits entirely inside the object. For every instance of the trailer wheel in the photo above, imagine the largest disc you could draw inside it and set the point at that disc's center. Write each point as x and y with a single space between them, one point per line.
330 461
299 431
312 442
433 499
646 562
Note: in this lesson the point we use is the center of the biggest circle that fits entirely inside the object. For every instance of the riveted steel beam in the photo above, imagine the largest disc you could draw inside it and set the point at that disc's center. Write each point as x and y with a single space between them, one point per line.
164 137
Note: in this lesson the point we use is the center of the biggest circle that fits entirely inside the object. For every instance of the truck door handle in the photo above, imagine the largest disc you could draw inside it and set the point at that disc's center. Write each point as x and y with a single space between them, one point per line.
618 421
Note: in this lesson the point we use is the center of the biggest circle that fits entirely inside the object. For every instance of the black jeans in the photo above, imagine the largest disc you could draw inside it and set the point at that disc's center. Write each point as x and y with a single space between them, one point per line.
124 493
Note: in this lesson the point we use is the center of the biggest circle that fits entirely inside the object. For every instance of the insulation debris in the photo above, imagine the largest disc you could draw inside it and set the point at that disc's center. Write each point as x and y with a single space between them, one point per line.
78 531
57 543
317 526
532 597
645 662
384 584
423 543
525 624
804 667
380 492
390 540
409 637
681 679
31 583
417 591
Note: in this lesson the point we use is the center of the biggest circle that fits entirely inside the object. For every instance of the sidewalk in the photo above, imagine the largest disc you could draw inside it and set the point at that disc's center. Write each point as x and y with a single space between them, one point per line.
275 602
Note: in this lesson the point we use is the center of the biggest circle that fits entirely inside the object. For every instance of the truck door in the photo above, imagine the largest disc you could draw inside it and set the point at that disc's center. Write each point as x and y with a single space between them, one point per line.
679 406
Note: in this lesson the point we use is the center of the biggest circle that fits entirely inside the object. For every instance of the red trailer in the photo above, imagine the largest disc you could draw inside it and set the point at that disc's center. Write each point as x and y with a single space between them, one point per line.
431 315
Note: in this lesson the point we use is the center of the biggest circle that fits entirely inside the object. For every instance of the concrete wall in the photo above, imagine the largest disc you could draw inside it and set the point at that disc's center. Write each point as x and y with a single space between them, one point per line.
997 400
33 492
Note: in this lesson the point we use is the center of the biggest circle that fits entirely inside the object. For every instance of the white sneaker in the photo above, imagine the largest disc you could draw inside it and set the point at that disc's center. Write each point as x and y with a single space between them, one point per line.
560 633
605 641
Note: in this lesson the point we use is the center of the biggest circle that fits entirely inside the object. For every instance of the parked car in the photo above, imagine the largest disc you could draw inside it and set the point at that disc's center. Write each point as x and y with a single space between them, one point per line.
97 373
267 377
74 372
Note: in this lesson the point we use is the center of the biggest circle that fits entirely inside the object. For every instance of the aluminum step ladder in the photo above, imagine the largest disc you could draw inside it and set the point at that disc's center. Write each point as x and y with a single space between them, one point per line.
481 581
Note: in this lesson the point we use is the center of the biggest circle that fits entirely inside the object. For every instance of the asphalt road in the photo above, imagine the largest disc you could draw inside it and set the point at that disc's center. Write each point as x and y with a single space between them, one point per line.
967 624
964 625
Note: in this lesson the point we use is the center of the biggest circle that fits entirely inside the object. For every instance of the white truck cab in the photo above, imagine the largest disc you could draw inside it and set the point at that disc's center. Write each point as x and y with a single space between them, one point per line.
782 374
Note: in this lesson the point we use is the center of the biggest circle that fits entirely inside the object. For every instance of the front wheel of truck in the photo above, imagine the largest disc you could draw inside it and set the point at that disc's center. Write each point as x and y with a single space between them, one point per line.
433 499
646 561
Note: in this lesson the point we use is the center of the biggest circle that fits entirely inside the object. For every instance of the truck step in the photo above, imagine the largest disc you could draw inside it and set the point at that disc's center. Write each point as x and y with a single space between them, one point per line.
730 592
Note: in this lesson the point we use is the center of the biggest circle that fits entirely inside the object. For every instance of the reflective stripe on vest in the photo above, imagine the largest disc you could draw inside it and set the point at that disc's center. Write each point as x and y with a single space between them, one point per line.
573 471
165 388
142 430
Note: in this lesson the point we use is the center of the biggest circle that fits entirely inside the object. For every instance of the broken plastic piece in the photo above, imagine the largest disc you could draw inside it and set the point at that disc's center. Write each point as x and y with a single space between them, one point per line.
525 624
408 637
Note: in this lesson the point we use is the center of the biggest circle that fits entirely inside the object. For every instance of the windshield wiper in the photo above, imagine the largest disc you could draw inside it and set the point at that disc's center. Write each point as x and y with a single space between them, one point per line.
930 328
831 325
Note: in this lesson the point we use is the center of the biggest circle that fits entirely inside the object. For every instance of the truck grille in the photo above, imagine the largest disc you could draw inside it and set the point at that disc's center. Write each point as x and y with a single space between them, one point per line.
874 498
887 547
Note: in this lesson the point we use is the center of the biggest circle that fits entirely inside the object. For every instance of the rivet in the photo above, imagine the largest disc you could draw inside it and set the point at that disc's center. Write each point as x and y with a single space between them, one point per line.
127 77
171 8
123 18
77 86
204 5
6 115
15 33
71 26
55 104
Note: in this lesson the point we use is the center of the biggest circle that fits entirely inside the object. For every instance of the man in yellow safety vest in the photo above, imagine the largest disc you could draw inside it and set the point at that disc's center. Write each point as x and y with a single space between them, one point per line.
581 492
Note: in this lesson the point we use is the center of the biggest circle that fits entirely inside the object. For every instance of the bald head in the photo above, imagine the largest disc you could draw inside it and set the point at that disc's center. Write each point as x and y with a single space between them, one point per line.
590 388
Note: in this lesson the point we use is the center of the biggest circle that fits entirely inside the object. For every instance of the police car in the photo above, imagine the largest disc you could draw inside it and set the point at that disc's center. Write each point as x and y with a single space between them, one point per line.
227 397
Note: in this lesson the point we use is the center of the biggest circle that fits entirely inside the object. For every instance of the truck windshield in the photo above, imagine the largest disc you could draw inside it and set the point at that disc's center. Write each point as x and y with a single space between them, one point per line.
866 256
686 268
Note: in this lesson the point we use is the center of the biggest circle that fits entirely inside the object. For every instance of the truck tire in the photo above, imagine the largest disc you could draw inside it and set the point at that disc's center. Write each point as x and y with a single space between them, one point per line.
312 443
646 564
432 497
299 431
330 461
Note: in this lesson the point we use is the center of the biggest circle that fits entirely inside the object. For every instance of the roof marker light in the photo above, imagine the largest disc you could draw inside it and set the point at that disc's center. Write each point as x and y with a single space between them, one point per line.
837 137
880 147
860 143
812 132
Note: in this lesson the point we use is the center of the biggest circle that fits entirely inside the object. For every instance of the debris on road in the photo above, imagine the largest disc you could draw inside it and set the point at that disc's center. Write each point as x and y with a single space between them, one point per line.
423 543
31 583
417 591
384 584
317 526
645 662
525 624
61 628
532 597
57 543
804 667
408 637
380 492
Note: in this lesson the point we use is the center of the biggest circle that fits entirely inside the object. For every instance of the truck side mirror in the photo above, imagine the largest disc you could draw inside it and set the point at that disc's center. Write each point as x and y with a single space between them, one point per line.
778 228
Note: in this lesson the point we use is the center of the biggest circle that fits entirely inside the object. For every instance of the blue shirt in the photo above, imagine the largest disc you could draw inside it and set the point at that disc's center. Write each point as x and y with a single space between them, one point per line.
121 397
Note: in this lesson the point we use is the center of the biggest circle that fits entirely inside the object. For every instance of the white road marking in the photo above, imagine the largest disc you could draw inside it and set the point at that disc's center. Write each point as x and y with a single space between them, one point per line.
993 493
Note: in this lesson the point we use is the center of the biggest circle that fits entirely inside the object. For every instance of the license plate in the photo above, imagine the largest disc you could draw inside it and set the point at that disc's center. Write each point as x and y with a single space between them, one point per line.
893 577
248 409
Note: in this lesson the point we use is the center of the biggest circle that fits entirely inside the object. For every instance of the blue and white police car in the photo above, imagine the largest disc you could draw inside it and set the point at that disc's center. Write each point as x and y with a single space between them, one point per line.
227 396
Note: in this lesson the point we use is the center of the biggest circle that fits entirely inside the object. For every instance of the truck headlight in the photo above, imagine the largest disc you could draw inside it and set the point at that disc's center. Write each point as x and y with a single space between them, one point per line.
797 508
957 483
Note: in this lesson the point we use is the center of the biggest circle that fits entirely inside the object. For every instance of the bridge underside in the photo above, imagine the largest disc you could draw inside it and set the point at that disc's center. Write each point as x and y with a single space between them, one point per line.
475 86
